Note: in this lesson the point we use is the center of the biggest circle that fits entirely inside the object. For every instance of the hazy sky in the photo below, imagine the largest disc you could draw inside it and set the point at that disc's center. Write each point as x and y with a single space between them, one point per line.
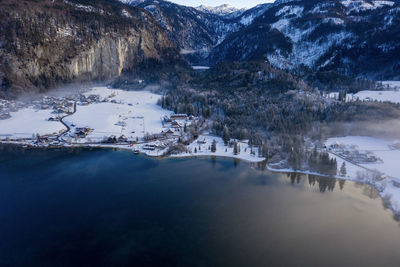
235 3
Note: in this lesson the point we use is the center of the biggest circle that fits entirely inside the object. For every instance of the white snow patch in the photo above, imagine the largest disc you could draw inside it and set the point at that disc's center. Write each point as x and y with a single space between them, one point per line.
203 149
126 14
200 67
290 11
380 147
27 122
336 21
362 5
389 185
133 114
382 96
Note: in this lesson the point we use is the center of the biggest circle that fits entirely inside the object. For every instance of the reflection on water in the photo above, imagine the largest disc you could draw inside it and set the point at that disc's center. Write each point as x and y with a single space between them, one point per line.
328 183
103 207
323 183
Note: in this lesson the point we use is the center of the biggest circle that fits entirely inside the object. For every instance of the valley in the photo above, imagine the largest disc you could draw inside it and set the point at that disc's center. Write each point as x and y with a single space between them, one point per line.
143 109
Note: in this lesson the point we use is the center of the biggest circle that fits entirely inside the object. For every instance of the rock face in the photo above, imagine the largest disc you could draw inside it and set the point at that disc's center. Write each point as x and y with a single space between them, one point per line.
45 43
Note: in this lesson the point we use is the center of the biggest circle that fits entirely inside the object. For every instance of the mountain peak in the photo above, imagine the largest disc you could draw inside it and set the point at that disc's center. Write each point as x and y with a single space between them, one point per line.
221 10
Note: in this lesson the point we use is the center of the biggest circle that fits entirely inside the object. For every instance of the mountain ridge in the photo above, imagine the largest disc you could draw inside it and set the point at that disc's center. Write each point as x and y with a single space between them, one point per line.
353 37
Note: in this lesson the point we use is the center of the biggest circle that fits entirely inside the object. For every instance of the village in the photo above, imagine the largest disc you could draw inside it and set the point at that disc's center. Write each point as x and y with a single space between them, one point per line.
352 153
104 117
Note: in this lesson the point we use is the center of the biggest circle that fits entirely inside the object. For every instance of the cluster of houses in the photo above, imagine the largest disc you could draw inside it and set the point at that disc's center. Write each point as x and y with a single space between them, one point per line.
9 106
174 124
395 146
87 100
59 105
82 132
351 153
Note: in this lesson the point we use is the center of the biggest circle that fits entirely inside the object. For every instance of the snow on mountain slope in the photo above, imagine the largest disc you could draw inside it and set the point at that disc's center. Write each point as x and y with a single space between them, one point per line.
195 31
222 10
362 5
247 17
354 37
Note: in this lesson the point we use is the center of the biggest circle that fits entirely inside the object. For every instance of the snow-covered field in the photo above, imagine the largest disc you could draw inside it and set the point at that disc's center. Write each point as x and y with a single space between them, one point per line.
391 94
203 149
131 113
389 187
380 147
382 96
391 84
27 122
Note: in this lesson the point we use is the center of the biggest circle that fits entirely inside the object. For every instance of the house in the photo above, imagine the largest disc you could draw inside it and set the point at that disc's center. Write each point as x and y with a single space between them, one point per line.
166 119
149 147
122 138
178 117
54 118
111 139
202 141
168 132
5 116
82 132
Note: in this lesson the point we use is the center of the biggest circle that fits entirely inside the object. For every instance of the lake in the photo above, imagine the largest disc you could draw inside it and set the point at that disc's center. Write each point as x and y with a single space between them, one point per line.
95 207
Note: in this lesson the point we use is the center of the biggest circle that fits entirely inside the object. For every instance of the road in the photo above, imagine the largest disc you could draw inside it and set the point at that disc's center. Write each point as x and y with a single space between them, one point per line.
66 125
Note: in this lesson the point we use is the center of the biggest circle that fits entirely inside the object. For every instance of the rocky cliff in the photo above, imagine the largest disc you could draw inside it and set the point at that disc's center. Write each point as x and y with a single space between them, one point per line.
48 42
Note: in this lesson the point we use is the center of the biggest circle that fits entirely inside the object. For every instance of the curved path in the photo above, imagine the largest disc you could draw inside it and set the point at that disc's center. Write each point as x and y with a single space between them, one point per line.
66 125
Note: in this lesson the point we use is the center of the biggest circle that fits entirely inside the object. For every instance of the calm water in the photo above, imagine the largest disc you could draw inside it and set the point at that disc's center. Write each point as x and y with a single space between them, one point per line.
104 207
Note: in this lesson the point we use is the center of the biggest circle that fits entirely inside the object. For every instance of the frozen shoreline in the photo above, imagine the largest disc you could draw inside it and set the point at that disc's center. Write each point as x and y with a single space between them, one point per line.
388 188
383 175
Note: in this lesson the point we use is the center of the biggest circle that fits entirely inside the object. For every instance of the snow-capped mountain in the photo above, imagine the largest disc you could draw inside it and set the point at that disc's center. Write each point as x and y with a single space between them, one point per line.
359 37
225 10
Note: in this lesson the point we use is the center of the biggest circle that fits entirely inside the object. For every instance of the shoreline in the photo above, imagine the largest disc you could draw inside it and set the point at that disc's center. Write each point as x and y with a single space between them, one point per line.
380 185
125 147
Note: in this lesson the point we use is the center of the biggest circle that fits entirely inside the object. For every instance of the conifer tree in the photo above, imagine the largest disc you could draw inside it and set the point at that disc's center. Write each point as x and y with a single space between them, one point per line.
343 170
235 148
225 135
214 146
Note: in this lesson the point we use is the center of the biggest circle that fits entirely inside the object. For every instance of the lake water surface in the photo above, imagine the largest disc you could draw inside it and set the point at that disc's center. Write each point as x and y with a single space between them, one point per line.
104 207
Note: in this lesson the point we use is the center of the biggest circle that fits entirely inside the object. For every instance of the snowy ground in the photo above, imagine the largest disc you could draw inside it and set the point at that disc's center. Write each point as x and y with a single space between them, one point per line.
390 94
382 96
221 151
391 84
129 113
380 147
200 67
27 122
389 186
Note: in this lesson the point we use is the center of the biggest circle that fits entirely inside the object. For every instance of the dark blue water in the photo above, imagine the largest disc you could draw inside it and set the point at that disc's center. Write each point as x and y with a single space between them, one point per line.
112 208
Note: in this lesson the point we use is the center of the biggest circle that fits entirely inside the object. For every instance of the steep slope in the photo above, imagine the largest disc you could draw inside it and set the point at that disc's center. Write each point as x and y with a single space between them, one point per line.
196 31
353 37
193 32
45 43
